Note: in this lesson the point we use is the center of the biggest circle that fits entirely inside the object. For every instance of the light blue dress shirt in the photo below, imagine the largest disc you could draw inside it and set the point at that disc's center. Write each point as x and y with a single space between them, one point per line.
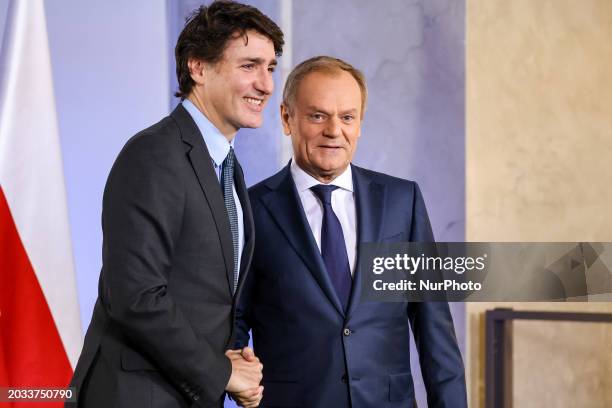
218 148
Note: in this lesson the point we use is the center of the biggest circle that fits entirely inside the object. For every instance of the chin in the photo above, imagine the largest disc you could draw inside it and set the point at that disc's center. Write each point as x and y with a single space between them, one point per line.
329 170
332 167
252 123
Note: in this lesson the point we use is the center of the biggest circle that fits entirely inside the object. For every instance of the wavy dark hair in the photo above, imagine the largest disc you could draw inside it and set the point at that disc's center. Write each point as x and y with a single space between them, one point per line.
208 30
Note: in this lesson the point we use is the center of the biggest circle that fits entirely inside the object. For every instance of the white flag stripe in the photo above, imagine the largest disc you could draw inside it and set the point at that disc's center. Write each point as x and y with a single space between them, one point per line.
31 172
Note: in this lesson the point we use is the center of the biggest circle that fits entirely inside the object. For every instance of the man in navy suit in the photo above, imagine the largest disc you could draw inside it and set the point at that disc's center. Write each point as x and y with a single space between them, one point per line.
320 346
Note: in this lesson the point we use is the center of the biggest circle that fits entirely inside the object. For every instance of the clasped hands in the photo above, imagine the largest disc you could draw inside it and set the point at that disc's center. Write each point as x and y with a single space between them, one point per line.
246 376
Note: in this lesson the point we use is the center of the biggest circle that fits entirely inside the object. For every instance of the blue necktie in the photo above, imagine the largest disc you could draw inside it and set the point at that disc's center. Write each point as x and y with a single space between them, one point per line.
227 182
333 248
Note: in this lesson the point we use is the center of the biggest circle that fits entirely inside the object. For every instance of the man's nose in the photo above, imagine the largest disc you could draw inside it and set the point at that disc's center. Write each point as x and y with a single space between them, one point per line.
265 83
333 128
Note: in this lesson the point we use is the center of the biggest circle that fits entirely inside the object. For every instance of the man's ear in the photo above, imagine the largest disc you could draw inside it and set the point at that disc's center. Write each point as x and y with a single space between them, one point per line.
196 70
284 112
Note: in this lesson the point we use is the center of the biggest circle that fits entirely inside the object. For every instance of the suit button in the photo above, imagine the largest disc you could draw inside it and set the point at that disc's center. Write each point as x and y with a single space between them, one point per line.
196 397
346 331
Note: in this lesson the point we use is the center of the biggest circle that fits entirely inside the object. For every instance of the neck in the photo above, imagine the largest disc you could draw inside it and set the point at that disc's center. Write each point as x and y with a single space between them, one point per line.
325 179
226 130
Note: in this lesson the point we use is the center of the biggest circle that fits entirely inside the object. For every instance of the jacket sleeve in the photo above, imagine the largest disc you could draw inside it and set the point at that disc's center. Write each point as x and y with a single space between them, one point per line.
434 333
242 324
420 230
142 216
439 356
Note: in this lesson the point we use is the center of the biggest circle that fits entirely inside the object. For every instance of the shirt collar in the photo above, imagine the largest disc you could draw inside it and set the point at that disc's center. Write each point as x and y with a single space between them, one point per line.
303 181
217 145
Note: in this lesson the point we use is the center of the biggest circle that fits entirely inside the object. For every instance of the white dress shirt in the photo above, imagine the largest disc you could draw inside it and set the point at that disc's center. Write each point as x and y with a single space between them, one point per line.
218 148
343 204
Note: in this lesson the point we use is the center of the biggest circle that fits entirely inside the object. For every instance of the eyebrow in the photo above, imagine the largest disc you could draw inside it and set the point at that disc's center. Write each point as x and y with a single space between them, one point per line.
258 61
313 108
317 109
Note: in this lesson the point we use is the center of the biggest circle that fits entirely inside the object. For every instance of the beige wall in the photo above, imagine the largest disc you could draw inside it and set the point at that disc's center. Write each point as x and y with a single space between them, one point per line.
539 120
556 364
539 168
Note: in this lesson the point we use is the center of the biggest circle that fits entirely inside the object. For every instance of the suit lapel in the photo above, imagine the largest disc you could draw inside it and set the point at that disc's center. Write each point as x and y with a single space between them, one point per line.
285 208
201 162
249 227
369 205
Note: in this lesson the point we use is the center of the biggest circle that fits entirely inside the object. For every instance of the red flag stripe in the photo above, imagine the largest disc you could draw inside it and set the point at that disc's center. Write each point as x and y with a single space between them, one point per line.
31 349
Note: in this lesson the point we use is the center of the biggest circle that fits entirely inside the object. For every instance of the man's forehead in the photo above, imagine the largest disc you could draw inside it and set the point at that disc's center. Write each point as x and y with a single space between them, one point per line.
251 42
320 81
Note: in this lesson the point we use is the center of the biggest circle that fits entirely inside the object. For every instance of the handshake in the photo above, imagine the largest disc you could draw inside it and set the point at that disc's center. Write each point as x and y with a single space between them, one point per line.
246 376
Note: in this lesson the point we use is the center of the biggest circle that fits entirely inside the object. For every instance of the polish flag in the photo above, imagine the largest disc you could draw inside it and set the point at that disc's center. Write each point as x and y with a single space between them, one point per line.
40 334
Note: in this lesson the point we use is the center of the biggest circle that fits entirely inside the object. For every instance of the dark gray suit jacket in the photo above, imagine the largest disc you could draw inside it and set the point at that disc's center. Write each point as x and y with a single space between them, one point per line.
165 310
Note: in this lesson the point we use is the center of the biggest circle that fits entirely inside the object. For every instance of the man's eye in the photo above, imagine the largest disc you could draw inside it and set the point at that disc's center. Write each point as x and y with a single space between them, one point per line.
248 66
348 118
316 117
271 69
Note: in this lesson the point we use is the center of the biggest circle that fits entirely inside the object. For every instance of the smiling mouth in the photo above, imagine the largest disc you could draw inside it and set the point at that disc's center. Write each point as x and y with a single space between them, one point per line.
253 101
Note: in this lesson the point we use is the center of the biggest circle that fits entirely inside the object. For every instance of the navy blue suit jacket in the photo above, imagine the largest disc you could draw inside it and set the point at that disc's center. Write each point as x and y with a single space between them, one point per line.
314 353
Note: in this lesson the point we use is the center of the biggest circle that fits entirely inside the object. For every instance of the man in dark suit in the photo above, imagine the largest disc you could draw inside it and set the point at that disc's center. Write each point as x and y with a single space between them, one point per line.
178 230
320 346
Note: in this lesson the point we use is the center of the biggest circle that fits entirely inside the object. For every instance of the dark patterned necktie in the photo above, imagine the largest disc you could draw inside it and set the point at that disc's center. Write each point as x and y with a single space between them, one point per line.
333 247
227 182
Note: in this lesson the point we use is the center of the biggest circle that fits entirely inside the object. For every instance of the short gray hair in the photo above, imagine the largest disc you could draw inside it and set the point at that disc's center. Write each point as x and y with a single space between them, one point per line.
324 64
